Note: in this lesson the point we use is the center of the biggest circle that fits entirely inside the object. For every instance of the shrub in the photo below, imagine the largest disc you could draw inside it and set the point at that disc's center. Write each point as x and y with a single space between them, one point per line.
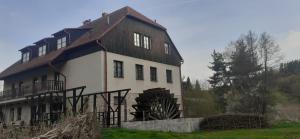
233 121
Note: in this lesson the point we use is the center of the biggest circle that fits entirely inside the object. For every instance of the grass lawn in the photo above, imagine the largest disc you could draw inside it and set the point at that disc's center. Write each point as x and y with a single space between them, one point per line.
279 131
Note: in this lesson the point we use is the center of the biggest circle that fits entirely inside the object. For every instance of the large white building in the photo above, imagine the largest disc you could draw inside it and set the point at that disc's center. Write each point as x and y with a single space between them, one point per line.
120 50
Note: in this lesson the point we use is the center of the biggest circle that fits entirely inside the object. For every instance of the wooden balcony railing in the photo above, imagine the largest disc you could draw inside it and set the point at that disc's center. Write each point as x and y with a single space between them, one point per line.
35 88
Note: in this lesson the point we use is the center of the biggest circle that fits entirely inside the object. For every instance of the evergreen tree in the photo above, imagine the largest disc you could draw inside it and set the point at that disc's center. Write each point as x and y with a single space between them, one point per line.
219 69
189 86
197 86
219 80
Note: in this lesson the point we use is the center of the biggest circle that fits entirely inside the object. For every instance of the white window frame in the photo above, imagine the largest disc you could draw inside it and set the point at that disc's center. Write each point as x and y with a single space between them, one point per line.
25 57
167 48
62 42
42 50
137 39
147 42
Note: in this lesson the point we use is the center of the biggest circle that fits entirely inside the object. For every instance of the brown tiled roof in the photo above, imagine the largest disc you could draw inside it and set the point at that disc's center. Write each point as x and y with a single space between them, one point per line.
97 29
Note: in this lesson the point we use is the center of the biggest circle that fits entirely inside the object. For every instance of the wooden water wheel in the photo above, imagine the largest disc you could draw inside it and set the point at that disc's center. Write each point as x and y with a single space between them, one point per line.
156 104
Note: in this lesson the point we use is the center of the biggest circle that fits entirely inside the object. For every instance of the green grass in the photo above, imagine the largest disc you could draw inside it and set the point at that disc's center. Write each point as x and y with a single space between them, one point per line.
278 131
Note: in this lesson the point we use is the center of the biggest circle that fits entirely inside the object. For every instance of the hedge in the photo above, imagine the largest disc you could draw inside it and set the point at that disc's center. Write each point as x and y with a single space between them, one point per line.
233 121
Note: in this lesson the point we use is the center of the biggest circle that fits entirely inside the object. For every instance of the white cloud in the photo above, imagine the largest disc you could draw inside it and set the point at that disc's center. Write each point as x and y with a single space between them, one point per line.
290 45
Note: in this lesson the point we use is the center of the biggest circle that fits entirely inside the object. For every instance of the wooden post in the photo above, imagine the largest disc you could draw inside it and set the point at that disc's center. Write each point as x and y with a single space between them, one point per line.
74 102
95 104
81 104
65 103
50 107
108 110
119 109
32 110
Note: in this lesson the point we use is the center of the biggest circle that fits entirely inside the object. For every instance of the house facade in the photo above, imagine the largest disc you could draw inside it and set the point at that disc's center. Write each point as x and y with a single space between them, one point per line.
123 49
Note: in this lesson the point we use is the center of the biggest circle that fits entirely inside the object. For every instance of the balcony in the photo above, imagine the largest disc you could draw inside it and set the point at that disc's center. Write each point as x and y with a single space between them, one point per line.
36 88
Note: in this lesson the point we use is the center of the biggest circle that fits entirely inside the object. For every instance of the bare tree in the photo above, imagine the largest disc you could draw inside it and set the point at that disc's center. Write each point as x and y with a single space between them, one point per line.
269 53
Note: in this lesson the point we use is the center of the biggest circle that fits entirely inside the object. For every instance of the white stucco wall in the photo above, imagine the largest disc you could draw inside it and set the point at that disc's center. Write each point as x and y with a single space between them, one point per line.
88 71
137 86
84 71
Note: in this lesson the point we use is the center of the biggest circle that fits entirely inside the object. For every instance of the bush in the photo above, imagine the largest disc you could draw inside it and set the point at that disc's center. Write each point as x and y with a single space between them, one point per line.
233 121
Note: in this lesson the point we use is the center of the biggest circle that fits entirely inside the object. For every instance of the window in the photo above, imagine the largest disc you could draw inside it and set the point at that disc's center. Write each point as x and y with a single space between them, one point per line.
62 42
118 69
25 57
153 74
42 50
19 113
147 42
167 49
12 114
169 76
116 100
139 70
137 41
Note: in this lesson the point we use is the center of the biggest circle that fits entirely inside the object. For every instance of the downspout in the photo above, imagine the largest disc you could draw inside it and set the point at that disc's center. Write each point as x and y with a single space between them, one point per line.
105 71
182 103
105 65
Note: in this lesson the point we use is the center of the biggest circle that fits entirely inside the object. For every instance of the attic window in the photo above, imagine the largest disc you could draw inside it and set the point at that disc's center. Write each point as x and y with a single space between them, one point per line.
25 57
167 48
147 42
137 41
62 42
42 50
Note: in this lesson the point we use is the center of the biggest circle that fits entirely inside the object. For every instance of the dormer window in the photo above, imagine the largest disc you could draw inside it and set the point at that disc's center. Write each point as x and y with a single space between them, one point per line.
167 48
25 57
62 42
42 50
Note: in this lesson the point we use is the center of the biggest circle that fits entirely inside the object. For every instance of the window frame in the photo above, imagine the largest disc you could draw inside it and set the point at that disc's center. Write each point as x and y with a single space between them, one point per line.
153 78
61 42
42 50
118 69
139 72
137 39
19 113
25 57
167 48
12 114
169 76
148 40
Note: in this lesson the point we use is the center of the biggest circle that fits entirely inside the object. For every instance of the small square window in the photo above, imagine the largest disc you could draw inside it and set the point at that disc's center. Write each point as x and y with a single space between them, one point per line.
139 69
118 69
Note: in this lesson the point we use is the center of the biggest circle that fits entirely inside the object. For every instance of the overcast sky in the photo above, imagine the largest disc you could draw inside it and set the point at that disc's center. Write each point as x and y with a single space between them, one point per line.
197 27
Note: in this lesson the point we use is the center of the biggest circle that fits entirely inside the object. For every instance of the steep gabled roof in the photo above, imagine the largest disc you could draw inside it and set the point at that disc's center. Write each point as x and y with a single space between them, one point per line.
97 29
